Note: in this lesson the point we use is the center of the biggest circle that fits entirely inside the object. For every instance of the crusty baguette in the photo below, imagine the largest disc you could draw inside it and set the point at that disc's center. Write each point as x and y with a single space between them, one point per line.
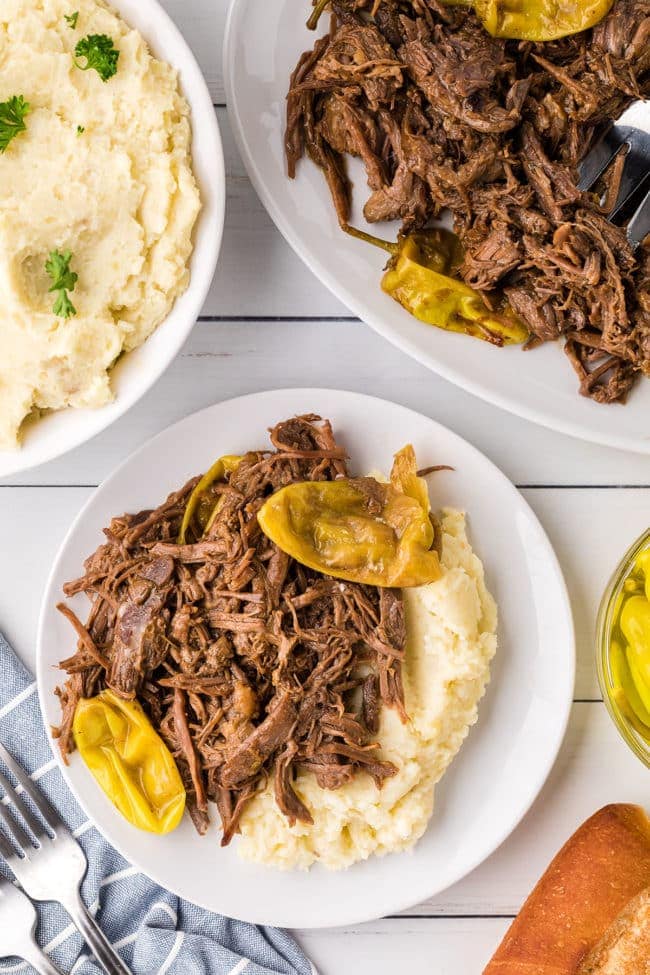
604 865
625 949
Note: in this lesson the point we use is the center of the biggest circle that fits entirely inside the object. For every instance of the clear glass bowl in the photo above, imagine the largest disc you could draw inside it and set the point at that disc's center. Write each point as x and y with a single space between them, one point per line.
604 626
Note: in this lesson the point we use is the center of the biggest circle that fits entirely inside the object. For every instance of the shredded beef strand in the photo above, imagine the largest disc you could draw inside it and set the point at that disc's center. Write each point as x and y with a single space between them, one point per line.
85 639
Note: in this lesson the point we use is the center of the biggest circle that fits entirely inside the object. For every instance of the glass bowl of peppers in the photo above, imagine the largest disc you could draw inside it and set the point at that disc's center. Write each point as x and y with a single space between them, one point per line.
623 647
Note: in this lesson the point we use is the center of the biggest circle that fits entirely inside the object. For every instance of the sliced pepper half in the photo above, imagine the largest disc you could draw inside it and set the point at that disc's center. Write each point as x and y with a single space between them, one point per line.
130 761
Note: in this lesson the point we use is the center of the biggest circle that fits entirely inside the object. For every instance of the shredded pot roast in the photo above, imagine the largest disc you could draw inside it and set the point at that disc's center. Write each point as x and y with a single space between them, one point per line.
249 665
445 116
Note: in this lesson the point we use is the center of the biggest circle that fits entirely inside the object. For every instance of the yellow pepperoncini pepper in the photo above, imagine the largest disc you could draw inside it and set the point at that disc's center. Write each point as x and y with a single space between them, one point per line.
130 761
200 504
360 529
625 692
629 653
537 20
419 277
635 627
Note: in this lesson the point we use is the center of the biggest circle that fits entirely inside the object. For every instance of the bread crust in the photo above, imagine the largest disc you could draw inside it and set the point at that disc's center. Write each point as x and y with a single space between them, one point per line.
588 884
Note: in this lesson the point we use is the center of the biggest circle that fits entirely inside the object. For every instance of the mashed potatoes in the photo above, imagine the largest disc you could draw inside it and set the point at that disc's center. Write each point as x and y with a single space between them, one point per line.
104 171
451 626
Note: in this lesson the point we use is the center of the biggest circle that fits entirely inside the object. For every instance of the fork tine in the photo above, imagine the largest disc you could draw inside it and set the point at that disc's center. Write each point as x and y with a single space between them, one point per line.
7 851
37 797
635 171
598 159
639 226
34 824
15 830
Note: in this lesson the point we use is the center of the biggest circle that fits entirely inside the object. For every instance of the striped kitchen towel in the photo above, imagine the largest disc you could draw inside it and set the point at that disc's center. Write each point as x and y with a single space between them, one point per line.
154 931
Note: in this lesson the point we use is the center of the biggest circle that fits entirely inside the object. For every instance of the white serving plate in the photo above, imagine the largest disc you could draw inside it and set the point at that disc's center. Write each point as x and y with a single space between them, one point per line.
56 433
263 42
522 720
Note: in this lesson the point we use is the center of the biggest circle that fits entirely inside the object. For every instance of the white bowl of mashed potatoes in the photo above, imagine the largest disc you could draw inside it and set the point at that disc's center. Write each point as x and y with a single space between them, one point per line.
116 177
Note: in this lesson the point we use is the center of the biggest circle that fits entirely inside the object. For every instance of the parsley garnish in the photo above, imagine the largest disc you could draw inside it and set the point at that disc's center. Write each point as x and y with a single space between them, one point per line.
81 129
99 53
12 119
71 19
63 280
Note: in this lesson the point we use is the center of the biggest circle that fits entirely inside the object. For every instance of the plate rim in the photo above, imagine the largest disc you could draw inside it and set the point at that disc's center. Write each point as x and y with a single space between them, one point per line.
408 900
211 222
474 387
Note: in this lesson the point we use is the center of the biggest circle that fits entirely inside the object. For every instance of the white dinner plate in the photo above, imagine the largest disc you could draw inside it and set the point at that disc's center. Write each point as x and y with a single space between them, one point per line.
57 432
503 764
263 42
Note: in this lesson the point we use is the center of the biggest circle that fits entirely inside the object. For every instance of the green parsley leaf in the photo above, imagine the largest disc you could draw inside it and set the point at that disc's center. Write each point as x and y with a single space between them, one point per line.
58 268
63 307
63 280
12 119
71 19
99 53
81 129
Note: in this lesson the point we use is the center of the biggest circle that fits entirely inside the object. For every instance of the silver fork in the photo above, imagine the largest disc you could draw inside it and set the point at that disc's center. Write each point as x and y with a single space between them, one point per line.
50 865
635 142
17 926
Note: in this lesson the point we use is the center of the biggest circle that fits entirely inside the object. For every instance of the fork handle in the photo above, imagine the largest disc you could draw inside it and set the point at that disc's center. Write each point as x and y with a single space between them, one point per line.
39 960
95 938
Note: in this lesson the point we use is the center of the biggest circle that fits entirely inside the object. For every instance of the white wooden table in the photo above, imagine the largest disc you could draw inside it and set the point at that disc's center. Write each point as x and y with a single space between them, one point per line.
269 323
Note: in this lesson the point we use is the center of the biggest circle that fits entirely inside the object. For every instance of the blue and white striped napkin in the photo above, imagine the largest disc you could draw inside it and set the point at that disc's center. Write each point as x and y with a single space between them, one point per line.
155 932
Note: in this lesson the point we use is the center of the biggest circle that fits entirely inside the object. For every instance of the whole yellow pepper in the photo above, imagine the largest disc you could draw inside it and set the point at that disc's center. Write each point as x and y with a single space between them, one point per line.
635 626
625 692
419 277
447 302
130 761
537 20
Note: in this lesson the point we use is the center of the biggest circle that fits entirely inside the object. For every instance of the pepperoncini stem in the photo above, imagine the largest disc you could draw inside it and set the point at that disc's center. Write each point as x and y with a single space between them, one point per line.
312 23
386 245
438 248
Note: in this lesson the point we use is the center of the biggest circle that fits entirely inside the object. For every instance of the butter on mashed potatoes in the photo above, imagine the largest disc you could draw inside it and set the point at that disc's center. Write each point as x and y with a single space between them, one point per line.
103 170
451 639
